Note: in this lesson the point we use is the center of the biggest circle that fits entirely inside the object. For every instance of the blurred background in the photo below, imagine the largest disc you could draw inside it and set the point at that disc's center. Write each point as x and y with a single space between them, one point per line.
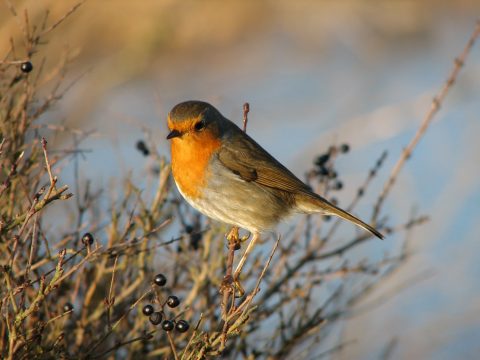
315 73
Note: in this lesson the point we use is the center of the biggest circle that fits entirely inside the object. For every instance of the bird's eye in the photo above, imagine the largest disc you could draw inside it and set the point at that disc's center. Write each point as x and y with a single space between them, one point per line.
199 125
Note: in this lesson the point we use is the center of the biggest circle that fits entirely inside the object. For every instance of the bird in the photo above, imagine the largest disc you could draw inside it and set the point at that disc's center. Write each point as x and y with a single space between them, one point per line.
226 175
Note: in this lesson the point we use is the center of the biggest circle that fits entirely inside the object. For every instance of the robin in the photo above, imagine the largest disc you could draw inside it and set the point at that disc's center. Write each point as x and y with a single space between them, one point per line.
226 175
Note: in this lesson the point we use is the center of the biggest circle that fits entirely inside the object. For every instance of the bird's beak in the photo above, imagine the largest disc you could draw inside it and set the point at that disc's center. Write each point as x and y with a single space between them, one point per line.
173 134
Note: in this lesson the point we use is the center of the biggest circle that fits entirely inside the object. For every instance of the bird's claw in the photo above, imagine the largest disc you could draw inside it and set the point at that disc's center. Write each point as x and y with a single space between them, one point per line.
227 284
232 285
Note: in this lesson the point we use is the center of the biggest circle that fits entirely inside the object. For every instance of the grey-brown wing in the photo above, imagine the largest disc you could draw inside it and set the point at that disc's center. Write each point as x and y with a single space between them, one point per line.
251 162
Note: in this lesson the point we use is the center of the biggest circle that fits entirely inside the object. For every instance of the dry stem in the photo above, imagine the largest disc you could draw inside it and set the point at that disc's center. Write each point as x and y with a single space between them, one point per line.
435 106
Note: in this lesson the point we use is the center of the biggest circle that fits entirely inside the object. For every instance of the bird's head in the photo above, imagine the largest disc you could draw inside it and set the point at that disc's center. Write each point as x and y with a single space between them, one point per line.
195 121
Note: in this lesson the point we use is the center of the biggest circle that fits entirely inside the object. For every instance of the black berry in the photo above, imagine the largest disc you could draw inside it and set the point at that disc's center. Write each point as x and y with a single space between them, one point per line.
323 171
334 201
327 217
160 280
173 301
322 160
361 192
26 67
156 318
338 185
344 148
148 310
167 325
182 326
87 239
142 147
67 307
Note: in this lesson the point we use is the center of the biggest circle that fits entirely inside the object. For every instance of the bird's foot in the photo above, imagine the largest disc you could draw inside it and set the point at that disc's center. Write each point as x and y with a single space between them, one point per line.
232 285
233 234
234 237
244 238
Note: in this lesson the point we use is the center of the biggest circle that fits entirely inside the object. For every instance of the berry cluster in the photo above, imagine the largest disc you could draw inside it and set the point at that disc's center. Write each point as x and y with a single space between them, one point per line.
324 164
157 317
325 172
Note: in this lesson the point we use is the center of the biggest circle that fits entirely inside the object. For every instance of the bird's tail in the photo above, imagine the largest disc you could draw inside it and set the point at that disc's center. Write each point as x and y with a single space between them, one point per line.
316 204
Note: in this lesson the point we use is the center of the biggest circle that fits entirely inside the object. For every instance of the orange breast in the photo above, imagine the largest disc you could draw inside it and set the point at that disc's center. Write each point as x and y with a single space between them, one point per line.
190 157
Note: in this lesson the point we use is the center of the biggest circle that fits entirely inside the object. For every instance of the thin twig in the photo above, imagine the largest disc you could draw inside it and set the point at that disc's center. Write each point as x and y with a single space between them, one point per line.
257 285
105 336
360 192
172 345
434 108
194 333
246 110
385 297
147 336
53 180
62 19
110 300
227 287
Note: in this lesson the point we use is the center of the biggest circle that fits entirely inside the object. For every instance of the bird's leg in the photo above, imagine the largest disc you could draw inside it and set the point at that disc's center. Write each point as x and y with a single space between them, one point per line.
233 244
249 249
241 263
